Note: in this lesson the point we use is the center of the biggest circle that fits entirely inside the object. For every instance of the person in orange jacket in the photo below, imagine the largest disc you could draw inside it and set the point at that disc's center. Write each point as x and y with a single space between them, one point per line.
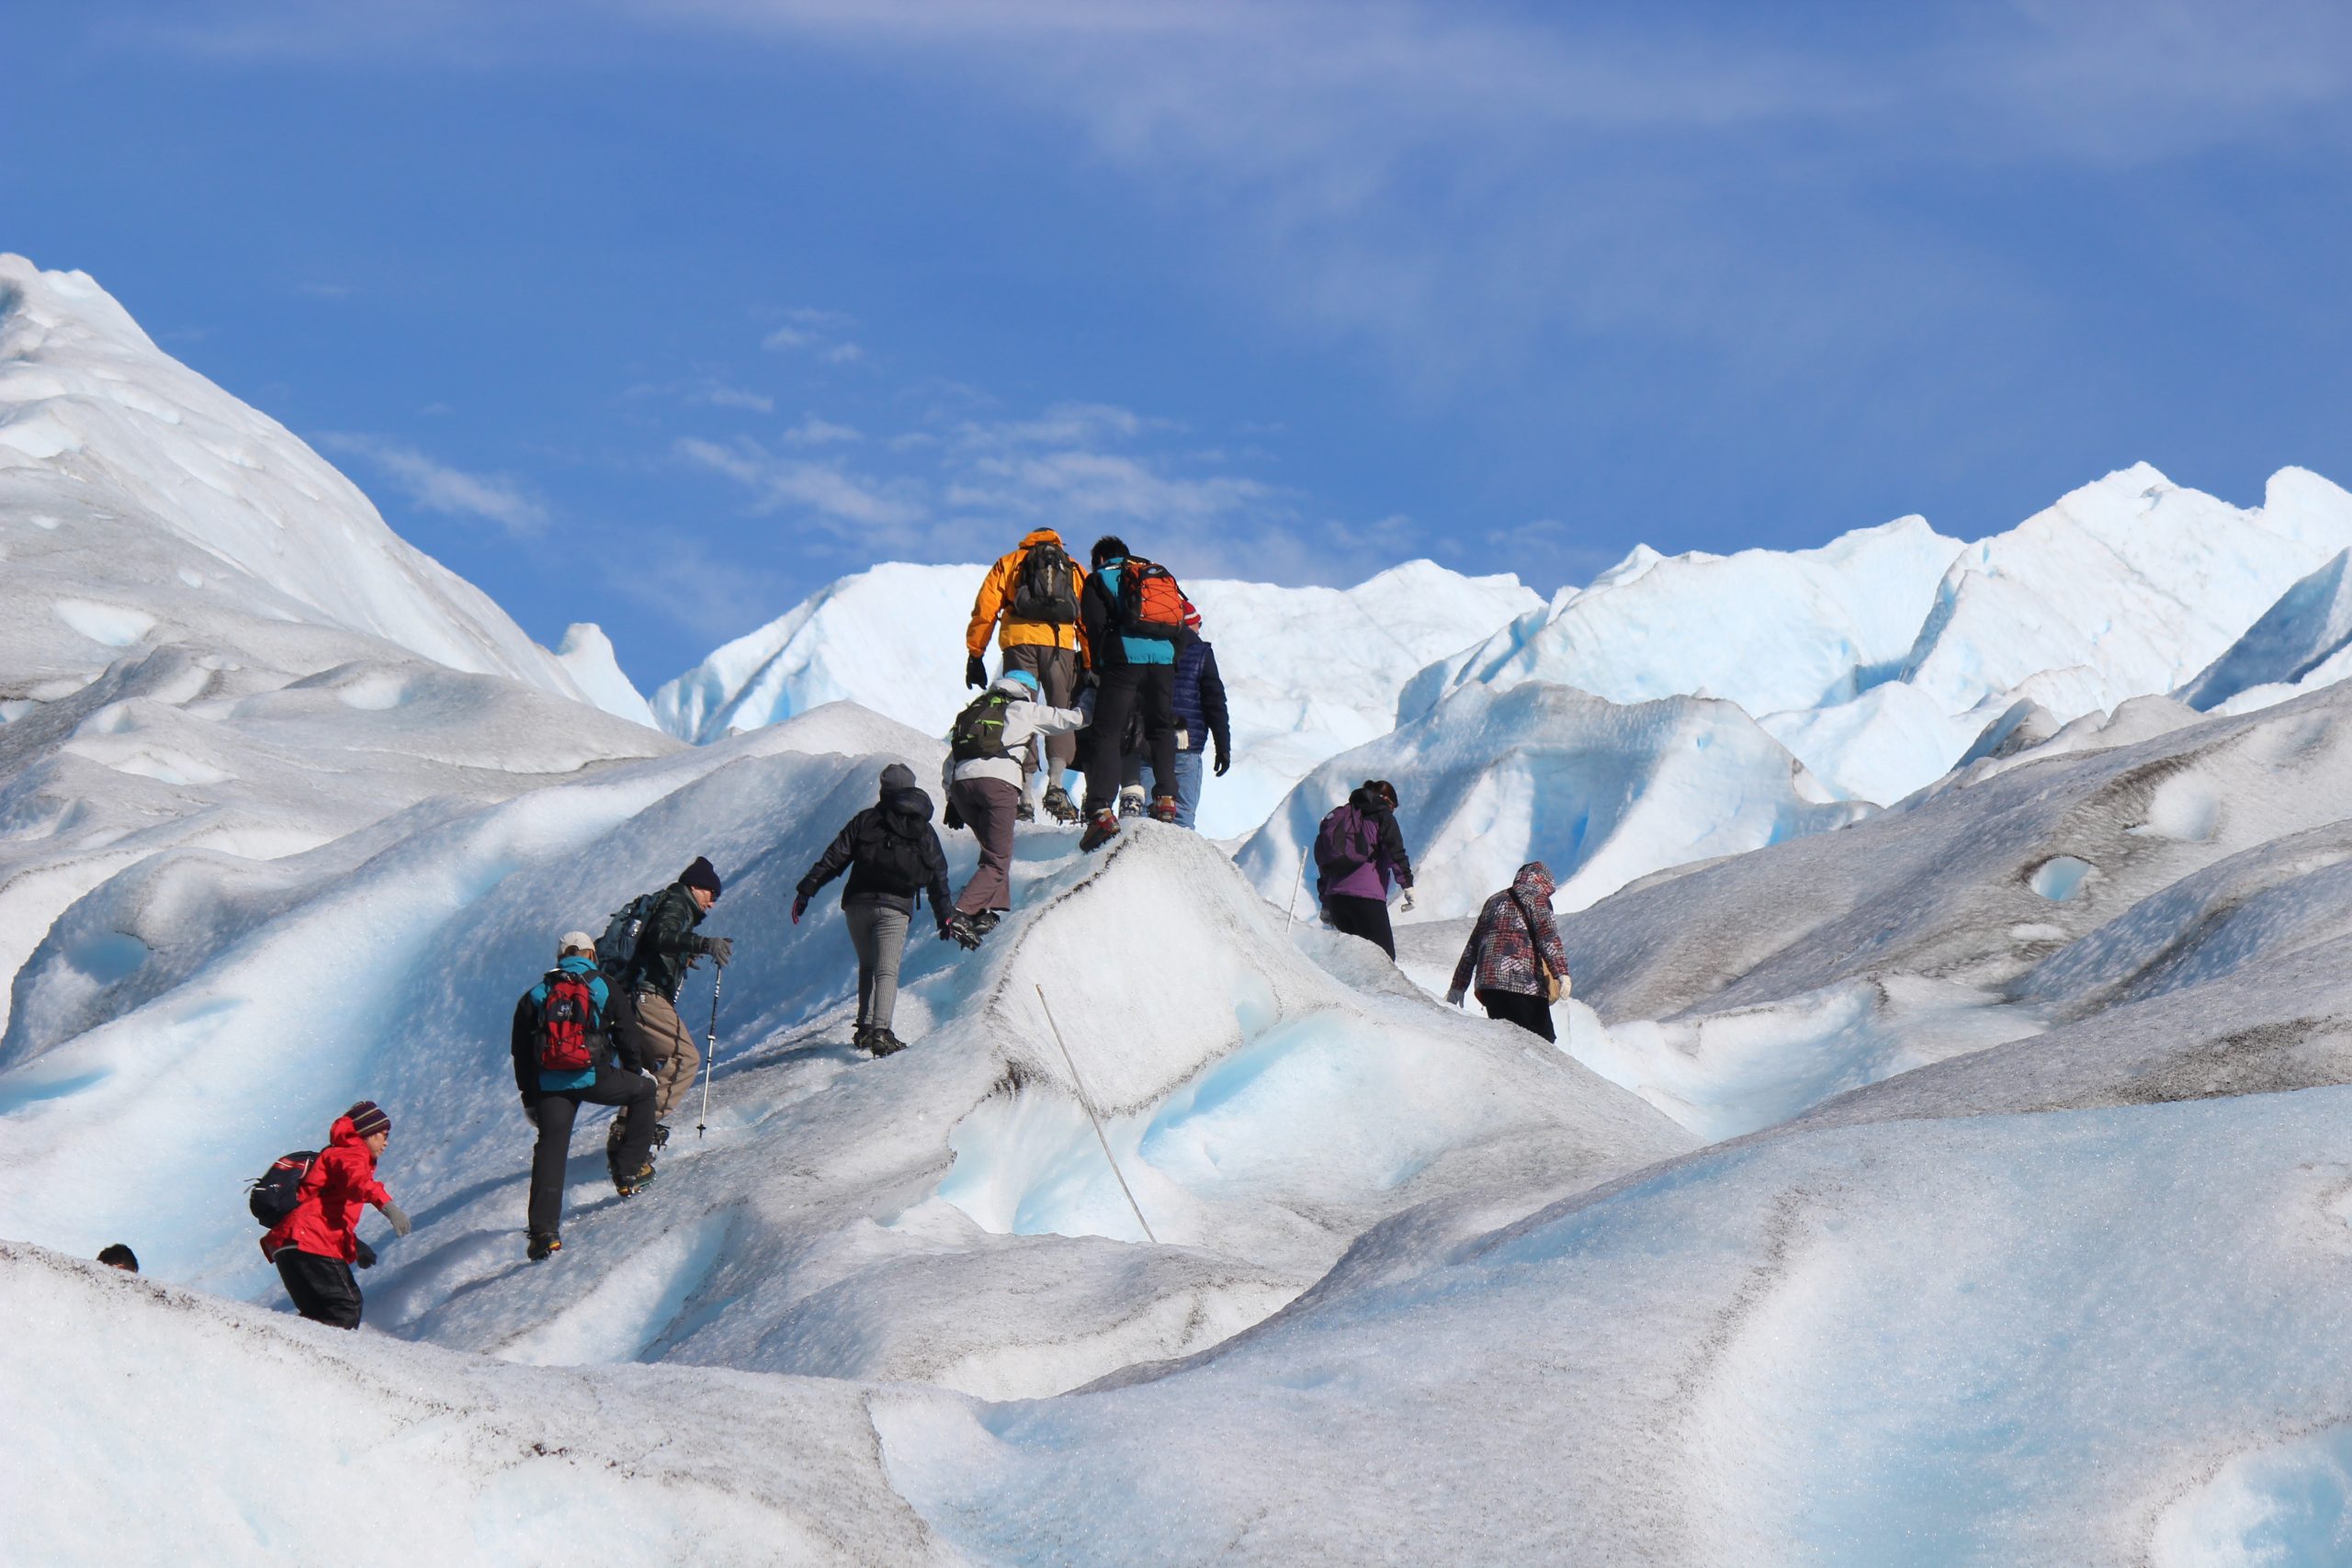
1033 592
315 1245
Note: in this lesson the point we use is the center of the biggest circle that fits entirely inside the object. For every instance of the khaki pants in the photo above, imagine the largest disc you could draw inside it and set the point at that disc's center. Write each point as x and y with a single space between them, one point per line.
987 806
1056 672
651 1027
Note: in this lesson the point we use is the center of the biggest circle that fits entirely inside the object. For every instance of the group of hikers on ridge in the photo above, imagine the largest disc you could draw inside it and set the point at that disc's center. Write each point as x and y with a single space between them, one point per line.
602 1026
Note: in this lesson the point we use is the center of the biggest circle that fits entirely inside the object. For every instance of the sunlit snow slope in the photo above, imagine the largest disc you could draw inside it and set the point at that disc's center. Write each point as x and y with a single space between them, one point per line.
1961 1182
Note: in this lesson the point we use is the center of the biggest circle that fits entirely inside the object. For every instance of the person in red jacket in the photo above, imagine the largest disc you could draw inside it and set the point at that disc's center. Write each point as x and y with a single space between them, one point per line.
315 1245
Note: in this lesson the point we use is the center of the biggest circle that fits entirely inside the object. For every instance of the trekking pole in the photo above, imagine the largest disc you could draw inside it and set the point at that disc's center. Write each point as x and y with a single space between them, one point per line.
1290 910
1089 1104
709 1050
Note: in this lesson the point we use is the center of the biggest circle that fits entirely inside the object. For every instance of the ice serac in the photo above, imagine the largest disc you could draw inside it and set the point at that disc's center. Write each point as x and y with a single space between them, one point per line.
1308 671
1602 792
586 655
2133 580
1767 629
164 498
2300 641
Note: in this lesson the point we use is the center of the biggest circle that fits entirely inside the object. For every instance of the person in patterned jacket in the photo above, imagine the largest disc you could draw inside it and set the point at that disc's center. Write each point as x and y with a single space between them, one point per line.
1513 927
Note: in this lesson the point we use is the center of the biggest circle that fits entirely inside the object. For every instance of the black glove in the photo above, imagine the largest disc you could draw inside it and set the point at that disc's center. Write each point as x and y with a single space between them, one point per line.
1088 680
367 1258
975 672
954 818
721 949
799 908
1221 763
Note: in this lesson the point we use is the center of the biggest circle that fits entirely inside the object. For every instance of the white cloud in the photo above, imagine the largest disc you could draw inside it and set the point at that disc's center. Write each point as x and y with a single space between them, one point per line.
436 487
827 490
815 432
821 334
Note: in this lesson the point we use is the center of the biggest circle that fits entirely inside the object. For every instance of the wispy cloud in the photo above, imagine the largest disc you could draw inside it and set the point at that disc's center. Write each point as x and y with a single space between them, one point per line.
826 492
436 487
815 432
821 335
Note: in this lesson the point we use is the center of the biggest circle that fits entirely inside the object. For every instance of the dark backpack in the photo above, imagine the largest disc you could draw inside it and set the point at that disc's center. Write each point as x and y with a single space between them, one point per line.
1045 587
568 1024
617 948
1341 845
273 1194
979 729
894 857
1150 604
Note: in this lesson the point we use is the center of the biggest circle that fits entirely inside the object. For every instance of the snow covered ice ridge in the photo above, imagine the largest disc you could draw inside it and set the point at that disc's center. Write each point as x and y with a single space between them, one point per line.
1959 1182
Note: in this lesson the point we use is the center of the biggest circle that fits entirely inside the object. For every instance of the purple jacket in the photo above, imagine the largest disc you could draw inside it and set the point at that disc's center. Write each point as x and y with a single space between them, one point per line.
1361 832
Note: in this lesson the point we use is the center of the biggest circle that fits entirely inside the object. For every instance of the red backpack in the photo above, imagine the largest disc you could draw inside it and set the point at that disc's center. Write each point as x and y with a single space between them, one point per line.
1150 604
567 1021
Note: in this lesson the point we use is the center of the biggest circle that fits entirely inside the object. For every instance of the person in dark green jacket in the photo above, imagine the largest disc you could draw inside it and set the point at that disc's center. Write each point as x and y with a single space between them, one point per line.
647 1010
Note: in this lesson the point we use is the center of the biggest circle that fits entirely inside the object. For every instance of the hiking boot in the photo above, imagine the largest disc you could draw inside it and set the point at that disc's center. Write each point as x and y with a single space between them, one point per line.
1024 810
542 1246
967 932
1059 806
1131 801
864 1039
632 1186
1101 831
986 920
1164 809
885 1044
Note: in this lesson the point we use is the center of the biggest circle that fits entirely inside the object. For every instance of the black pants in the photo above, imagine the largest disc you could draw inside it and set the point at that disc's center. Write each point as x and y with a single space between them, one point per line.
1367 917
322 1288
1126 690
554 1113
1531 1013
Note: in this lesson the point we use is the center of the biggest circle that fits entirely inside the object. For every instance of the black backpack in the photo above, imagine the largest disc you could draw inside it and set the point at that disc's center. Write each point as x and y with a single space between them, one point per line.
979 729
896 858
273 1194
617 948
1046 587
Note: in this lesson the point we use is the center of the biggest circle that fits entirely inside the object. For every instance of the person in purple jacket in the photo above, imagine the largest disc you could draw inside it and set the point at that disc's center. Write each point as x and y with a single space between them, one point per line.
1358 856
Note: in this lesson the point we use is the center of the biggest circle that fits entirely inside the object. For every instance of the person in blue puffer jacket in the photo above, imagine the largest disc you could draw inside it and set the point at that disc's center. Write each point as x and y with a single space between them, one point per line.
1201 716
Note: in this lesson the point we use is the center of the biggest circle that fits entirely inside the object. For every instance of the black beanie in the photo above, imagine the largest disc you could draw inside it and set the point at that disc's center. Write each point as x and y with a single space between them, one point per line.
367 1119
702 875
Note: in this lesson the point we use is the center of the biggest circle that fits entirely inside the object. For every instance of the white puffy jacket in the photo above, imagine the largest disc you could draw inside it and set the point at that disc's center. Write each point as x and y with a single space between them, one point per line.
1024 719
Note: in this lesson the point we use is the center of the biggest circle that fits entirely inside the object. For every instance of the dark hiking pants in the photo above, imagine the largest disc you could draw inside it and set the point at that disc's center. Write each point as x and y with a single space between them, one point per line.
1128 689
1531 1013
322 1288
1367 917
555 1112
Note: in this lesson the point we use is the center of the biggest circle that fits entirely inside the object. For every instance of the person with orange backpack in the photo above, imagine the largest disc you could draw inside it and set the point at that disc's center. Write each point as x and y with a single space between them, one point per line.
1133 612
1030 600
564 1049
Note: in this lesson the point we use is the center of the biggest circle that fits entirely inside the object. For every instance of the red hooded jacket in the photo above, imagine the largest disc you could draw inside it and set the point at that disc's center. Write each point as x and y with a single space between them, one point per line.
340 1184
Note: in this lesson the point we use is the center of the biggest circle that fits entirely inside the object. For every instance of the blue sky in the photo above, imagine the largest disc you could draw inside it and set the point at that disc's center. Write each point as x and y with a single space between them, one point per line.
662 314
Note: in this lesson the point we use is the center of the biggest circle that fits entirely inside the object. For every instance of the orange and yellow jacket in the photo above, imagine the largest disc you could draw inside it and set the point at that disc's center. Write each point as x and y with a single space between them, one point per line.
996 591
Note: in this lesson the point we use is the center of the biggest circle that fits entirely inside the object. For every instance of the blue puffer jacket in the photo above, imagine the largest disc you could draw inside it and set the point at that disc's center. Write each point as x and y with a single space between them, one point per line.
1200 696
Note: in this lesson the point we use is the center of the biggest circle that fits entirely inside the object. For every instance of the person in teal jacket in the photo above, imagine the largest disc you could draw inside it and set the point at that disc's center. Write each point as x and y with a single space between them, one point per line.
1132 674
552 1097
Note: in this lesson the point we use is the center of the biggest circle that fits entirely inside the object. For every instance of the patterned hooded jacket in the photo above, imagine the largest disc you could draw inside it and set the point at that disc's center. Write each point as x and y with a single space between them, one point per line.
1502 951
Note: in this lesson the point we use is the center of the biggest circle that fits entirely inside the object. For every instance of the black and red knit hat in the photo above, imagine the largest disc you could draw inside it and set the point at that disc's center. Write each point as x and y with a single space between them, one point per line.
367 1119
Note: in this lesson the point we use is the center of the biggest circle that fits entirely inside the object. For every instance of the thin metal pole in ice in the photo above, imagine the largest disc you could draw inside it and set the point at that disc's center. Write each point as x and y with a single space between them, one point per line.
1290 910
1086 1100
709 1051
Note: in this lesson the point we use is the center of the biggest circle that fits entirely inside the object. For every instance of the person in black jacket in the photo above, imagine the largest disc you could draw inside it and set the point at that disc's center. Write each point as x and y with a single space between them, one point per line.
893 857
645 1010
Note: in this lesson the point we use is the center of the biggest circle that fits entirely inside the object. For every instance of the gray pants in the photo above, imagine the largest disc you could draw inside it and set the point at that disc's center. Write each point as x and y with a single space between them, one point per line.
879 935
1056 672
987 806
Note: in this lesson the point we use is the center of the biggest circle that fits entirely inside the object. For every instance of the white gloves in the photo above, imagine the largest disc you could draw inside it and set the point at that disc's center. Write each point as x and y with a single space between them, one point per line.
1404 904
1455 996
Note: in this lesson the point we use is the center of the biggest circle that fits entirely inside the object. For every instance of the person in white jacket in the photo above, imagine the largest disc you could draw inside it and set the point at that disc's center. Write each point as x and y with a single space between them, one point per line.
983 780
